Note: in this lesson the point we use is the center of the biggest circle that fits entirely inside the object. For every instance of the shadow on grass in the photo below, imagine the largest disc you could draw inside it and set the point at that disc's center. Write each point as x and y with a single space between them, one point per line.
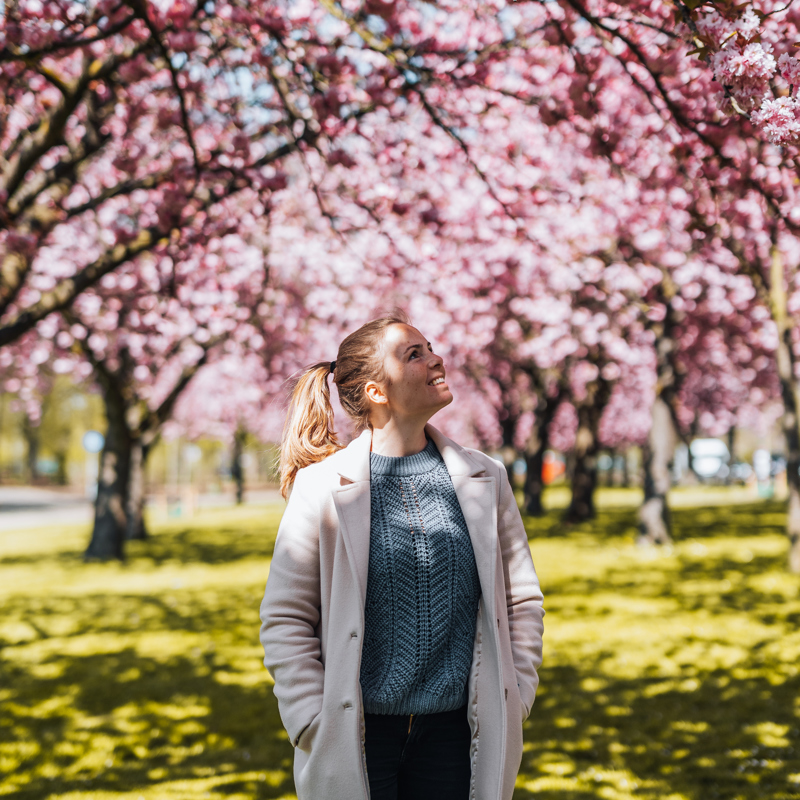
716 737
123 722
745 519
190 545
121 692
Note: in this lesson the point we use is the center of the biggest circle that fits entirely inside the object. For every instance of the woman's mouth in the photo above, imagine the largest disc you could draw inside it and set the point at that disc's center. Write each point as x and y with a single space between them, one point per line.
436 381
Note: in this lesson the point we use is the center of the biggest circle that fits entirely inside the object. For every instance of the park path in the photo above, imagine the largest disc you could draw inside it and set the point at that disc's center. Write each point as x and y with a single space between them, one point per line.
36 507
23 507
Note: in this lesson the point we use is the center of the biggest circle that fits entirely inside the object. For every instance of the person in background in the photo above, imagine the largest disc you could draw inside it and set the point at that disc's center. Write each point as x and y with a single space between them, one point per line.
402 617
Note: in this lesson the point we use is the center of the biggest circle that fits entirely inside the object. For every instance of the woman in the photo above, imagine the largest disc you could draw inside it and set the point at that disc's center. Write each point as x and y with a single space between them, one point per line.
402 619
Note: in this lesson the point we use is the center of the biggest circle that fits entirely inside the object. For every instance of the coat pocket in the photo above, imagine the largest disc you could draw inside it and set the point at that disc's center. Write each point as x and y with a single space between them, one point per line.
523 713
305 740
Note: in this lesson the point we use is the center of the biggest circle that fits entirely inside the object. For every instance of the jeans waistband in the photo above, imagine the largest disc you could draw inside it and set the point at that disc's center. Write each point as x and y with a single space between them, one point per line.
456 712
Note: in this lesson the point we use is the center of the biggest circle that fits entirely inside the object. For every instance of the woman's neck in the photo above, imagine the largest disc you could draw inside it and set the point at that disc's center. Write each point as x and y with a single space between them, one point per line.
397 439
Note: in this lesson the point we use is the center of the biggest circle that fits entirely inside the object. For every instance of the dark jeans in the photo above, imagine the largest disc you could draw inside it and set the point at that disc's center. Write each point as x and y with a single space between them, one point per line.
425 757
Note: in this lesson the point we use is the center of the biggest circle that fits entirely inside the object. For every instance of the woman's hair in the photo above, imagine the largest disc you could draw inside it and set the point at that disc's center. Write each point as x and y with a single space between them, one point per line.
309 435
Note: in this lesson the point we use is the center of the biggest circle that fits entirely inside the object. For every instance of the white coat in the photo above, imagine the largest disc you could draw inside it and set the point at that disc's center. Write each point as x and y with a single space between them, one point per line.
313 621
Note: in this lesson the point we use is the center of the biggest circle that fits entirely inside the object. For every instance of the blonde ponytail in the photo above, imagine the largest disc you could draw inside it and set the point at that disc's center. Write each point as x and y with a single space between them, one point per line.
308 435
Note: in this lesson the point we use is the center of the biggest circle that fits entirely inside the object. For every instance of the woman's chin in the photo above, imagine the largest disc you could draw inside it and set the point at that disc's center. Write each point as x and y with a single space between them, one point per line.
447 398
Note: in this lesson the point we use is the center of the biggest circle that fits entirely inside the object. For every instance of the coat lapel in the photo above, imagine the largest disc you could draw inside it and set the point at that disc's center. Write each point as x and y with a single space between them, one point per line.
353 507
352 501
477 498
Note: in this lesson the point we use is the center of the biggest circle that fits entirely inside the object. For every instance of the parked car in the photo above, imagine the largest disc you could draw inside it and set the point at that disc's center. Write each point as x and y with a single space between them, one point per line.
710 458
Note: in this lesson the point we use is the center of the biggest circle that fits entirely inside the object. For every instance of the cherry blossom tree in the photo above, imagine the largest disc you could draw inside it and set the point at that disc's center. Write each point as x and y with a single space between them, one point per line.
130 126
714 348
532 178
126 122
235 396
148 328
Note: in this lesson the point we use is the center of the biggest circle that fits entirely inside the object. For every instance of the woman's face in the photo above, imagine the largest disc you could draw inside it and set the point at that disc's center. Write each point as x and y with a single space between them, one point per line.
415 377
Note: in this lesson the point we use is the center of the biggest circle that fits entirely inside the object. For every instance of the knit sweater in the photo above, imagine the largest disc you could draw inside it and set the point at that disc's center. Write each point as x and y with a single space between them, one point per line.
422 589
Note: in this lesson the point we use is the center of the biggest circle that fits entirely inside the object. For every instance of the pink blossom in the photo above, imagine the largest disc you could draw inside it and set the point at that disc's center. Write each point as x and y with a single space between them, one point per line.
780 119
789 68
748 24
715 26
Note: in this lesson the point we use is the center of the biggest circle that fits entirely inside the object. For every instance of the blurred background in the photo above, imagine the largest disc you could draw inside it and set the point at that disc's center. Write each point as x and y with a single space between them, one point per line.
592 212
50 462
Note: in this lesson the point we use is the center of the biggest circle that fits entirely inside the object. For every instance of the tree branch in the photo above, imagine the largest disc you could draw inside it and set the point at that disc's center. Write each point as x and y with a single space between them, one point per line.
141 11
67 290
51 131
156 418
6 54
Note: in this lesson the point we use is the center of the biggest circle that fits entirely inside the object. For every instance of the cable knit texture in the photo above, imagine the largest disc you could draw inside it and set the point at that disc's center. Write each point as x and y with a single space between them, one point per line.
422 589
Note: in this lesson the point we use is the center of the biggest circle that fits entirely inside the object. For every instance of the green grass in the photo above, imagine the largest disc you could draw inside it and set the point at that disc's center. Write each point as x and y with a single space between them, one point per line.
668 674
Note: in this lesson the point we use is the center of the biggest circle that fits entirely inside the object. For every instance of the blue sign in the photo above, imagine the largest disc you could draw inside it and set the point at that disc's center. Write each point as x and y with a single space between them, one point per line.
93 441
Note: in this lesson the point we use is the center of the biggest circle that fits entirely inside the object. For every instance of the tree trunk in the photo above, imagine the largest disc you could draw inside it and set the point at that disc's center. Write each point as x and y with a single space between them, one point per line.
731 443
793 509
534 483
509 465
136 528
789 422
605 477
657 455
584 482
508 427
583 474
538 444
31 434
237 467
62 478
791 406
110 517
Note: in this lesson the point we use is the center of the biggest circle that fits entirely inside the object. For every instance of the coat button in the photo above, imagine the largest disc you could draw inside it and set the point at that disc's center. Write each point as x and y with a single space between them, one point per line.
354 635
347 704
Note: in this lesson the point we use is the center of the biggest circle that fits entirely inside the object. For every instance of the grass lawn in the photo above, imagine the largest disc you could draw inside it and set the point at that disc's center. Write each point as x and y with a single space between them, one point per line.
668 674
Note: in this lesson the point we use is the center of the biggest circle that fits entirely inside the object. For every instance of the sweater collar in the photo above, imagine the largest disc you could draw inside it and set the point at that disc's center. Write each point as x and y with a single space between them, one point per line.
353 461
405 466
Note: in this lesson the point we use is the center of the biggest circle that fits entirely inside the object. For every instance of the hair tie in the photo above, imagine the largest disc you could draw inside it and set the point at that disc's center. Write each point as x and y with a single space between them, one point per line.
333 366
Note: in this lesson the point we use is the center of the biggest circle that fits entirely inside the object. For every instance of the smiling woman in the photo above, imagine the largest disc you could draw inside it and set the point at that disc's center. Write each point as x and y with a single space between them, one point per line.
402 560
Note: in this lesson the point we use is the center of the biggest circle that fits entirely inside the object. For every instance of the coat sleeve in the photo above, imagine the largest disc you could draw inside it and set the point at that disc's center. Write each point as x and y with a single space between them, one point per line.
523 594
290 612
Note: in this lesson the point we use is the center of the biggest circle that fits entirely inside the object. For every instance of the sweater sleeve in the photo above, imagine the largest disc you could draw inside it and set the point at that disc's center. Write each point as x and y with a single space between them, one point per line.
290 612
523 594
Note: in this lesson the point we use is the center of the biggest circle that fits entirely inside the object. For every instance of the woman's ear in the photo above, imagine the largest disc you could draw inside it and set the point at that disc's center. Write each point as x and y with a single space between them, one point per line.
375 393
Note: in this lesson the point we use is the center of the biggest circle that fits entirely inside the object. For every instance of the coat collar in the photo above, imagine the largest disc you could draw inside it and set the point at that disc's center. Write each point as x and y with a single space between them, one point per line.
353 461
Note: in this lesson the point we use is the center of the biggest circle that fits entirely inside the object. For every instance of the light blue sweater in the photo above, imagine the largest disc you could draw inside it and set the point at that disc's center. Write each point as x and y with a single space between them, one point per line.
422 589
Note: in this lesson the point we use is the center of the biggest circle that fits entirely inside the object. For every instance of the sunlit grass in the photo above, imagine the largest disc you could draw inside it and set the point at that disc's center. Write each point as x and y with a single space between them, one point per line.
668 674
